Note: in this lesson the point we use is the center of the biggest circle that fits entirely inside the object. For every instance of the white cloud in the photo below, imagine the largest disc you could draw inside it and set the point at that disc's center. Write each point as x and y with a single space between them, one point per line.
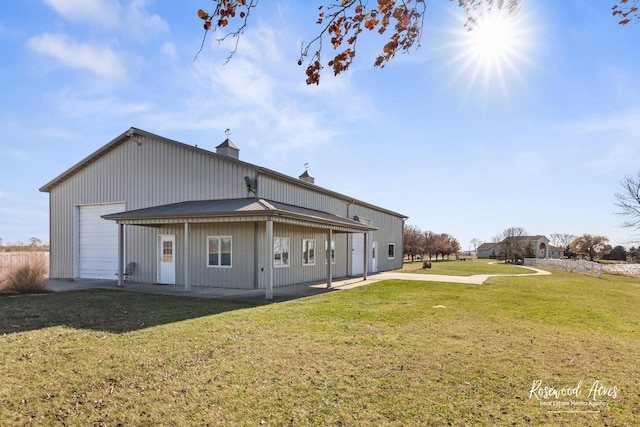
99 59
139 23
262 89
169 50
103 12
132 20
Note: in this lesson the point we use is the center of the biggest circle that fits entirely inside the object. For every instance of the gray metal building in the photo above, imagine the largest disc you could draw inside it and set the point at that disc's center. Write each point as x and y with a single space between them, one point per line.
191 217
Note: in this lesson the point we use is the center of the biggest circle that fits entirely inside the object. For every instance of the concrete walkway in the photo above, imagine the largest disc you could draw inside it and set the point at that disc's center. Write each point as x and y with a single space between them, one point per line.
280 294
476 279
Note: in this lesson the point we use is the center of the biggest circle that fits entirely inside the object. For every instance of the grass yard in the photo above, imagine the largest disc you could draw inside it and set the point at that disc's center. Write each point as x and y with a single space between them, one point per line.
376 355
464 268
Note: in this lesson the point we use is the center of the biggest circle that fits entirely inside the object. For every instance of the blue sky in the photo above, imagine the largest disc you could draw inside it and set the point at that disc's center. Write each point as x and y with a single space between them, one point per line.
540 142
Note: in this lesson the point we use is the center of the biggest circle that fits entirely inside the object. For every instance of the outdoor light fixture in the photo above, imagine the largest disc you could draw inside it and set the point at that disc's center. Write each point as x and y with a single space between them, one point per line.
130 133
251 184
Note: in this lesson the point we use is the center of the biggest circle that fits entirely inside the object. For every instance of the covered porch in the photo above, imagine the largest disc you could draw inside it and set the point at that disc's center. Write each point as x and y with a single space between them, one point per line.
263 213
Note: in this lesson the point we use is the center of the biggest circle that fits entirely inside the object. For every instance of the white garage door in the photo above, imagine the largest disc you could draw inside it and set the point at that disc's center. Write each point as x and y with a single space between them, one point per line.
98 242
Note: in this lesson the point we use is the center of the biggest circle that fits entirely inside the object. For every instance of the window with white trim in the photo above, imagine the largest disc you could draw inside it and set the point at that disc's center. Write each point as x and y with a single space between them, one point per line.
391 254
219 251
308 252
333 251
281 252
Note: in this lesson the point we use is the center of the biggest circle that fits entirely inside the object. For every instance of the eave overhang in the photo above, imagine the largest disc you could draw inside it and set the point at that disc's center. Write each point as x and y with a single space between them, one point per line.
237 210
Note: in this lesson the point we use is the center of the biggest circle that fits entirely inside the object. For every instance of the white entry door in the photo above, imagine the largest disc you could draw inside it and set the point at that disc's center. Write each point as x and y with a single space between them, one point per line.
357 254
167 259
374 257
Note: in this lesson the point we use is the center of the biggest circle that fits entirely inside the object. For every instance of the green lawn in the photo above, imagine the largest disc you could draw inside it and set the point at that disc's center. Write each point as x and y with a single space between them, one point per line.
464 268
376 355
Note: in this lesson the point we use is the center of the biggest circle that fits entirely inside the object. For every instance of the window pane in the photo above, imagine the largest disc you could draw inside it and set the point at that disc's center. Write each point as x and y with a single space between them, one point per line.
333 252
392 250
285 251
280 252
308 252
167 251
277 253
214 251
225 244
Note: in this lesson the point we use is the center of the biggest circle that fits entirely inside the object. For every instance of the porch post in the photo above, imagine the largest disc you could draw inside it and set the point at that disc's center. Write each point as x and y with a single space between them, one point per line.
328 255
187 285
120 254
269 285
365 258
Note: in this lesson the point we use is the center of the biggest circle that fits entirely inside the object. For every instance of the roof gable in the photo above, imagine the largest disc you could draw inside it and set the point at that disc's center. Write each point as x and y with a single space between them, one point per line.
115 143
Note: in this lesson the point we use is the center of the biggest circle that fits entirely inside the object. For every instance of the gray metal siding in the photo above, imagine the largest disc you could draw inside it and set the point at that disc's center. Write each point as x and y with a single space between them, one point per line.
141 172
286 192
390 230
144 171
241 273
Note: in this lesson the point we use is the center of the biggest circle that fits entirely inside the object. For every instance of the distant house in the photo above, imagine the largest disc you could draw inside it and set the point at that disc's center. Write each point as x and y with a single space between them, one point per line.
191 217
539 244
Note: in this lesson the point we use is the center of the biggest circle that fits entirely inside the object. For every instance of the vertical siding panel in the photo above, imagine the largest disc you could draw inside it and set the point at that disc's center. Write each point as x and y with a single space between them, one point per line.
240 275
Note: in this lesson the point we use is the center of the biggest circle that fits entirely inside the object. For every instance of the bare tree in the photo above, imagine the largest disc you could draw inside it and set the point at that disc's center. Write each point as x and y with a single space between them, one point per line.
511 245
561 240
628 201
476 242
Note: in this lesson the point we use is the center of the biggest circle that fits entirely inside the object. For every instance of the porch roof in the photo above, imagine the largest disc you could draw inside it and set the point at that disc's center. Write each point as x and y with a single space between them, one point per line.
231 210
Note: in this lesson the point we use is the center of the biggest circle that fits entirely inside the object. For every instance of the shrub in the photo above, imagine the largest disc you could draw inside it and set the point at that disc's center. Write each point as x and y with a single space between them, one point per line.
28 278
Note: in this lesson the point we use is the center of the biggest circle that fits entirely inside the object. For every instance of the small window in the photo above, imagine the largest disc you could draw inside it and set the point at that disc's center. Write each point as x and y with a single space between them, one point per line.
167 251
219 251
392 250
281 252
308 252
333 251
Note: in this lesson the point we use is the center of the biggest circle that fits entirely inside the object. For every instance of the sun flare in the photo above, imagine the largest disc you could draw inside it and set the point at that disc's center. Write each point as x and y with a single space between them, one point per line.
493 51
492 39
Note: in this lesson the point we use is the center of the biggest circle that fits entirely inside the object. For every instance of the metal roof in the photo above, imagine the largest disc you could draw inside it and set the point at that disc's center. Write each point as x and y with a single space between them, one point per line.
227 144
250 209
